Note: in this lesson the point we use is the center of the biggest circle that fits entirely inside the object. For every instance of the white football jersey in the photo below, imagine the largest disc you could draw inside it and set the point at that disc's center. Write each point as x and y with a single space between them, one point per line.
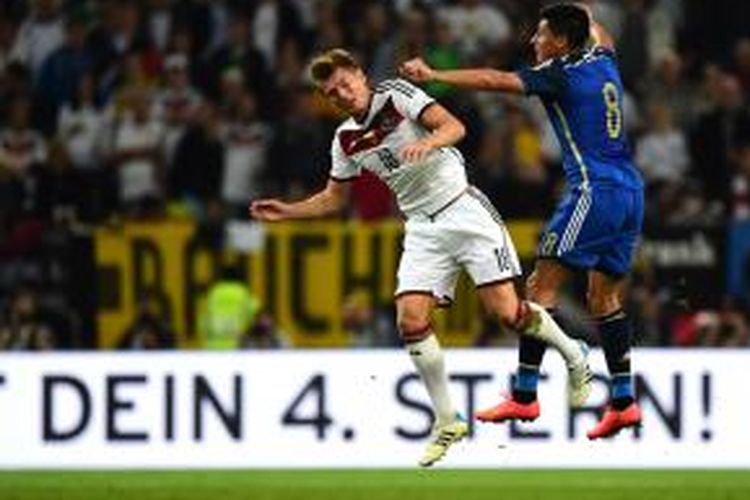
391 123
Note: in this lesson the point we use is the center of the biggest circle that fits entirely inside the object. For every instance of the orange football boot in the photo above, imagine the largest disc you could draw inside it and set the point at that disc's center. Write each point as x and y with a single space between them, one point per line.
509 410
614 421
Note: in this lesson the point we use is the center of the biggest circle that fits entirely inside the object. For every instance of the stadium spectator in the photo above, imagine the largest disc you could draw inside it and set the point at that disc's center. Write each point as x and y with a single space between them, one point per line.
230 314
477 25
740 206
662 153
368 325
742 65
732 328
274 23
175 105
715 136
196 174
118 36
246 140
61 73
161 23
669 87
41 33
57 194
149 329
442 53
300 144
20 145
263 334
290 66
6 43
80 124
81 129
27 326
376 42
237 52
136 155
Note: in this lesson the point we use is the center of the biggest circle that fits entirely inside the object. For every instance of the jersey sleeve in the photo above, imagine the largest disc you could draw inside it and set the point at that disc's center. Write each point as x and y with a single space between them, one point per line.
548 80
408 98
342 167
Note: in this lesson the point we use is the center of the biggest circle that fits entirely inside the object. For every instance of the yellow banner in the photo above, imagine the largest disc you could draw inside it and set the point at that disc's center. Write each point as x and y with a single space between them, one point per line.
303 274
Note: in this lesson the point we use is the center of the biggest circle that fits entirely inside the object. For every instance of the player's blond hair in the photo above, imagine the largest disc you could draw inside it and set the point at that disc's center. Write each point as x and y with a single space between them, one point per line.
323 65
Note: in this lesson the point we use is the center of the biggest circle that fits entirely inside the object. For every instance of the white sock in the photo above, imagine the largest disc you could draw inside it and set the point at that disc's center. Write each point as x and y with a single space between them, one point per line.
550 332
428 358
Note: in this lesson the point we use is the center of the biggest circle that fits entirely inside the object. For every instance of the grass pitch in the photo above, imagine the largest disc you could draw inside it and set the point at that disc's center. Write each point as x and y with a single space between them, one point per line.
378 484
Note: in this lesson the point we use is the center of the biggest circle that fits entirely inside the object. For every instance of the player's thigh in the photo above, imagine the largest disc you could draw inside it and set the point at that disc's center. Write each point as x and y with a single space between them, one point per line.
620 245
605 292
561 239
413 313
426 264
501 300
482 243
546 280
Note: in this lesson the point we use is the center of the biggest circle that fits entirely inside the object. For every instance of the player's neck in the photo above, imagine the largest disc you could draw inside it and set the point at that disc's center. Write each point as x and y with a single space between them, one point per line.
360 115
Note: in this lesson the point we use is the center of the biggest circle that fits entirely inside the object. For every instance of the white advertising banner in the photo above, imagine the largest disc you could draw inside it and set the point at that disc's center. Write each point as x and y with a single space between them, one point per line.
352 409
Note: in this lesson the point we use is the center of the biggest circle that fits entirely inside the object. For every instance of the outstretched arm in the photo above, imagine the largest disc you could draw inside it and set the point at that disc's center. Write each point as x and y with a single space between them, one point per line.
326 202
418 71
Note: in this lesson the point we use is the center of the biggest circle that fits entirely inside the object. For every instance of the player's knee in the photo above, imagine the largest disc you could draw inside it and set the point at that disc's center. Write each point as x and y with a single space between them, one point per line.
601 304
540 292
506 318
413 326
514 317
532 286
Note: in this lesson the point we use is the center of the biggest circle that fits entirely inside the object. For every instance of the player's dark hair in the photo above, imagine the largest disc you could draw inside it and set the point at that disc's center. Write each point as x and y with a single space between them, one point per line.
570 21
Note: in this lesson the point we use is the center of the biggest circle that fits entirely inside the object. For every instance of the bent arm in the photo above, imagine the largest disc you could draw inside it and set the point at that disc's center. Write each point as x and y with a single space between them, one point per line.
600 36
446 129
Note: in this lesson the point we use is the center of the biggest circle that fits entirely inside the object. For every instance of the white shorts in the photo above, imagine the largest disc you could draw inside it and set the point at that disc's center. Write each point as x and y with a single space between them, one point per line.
468 234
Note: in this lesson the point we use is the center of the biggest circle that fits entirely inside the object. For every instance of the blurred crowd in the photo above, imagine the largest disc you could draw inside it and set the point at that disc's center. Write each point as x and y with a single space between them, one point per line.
113 110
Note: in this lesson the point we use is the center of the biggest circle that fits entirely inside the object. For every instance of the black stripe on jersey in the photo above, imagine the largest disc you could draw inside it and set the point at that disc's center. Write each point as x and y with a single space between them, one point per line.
343 179
487 204
396 86
400 86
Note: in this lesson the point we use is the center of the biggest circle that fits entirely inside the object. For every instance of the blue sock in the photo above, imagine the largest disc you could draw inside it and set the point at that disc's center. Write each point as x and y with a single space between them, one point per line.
622 386
530 355
525 384
615 331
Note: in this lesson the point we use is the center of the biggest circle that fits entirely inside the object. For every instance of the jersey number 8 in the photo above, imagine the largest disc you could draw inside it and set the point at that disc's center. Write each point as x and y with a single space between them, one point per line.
614 113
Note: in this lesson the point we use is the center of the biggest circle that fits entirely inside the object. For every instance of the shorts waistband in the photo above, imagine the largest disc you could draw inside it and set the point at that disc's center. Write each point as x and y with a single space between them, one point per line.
431 216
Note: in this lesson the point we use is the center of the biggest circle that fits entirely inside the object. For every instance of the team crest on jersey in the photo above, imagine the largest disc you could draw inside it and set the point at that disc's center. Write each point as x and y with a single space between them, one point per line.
383 123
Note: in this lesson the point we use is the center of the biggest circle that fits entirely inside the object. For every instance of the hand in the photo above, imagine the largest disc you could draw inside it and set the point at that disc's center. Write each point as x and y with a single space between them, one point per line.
417 70
416 151
269 210
586 8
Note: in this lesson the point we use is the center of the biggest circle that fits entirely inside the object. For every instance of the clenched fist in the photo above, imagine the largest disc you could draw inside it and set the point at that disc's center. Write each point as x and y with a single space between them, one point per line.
417 70
269 210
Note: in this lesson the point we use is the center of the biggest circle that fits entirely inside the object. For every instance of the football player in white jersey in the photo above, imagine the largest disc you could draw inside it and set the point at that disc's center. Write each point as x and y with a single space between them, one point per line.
404 137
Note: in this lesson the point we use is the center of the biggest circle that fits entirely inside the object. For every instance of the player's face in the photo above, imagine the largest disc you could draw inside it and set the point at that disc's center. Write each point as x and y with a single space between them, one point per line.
347 89
546 44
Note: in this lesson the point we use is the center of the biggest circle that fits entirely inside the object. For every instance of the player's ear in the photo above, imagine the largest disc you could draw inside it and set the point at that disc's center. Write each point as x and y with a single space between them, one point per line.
562 45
